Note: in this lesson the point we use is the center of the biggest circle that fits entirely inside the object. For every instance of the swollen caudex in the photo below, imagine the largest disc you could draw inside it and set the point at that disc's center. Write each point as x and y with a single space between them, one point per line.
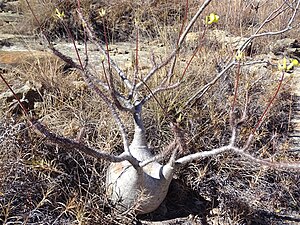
142 188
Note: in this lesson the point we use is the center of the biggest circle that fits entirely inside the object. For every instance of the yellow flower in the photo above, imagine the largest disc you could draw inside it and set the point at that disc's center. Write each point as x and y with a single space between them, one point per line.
239 55
285 67
294 62
83 24
179 119
282 67
102 58
212 18
102 12
136 22
59 14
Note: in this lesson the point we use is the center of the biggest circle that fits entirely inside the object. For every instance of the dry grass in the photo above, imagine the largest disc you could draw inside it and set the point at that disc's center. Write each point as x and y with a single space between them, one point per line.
43 184
160 18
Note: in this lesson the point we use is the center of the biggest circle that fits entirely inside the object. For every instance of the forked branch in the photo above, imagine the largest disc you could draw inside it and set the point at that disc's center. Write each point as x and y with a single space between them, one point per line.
242 151
173 54
71 144
112 104
256 34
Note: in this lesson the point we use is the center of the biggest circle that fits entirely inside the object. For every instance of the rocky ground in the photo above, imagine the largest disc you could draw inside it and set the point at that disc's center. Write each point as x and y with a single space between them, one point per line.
17 49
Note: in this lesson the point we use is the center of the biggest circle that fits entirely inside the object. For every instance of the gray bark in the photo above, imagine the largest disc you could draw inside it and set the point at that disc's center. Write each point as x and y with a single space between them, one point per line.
141 187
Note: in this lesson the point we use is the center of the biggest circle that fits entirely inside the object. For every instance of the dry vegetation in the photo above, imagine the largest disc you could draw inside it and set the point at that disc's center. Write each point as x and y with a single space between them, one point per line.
43 184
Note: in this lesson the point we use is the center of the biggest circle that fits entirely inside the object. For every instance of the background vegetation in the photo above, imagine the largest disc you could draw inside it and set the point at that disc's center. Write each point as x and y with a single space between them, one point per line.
44 184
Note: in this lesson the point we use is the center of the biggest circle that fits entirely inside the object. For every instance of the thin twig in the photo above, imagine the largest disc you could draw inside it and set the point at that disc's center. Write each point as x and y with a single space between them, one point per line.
15 96
178 47
260 120
205 88
159 90
95 40
194 54
71 144
267 20
236 85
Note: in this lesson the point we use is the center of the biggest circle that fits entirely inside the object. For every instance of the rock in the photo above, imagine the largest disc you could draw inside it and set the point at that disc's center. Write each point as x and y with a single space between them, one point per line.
262 67
226 39
19 57
21 91
286 46
219 37
9 17
29 94
5 43
9 6
18 42
12 6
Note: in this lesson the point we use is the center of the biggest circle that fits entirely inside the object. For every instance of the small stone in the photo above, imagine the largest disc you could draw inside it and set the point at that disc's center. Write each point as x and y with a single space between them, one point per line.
215 211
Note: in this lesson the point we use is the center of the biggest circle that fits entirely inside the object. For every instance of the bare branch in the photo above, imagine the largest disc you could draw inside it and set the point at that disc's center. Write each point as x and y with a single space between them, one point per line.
172 55
288 27
268 163
101 83
87 76
71 144
65 58
267 20
260 120
199 155
217 151
155 69
206 87
112 108
159 90
126 105
192 22
94 39
89 80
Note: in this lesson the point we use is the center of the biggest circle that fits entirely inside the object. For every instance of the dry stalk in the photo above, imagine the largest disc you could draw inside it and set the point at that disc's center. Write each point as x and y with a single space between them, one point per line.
136 170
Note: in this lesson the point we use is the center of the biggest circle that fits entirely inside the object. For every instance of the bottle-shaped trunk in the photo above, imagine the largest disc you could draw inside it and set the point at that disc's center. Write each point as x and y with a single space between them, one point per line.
139 148
142 187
